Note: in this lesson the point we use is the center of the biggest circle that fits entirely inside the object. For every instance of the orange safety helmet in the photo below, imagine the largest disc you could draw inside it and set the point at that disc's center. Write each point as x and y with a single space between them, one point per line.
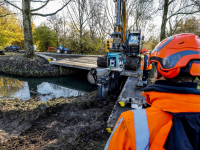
144 50
177 53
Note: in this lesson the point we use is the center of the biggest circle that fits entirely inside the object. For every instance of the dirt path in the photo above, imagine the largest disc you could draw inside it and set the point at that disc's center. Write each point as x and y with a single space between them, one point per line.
65 124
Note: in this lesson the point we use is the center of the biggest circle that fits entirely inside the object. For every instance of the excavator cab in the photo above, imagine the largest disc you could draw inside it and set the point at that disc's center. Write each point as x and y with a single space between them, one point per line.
134 42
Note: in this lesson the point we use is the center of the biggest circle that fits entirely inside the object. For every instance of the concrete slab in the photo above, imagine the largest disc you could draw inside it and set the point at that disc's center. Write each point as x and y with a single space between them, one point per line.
132 95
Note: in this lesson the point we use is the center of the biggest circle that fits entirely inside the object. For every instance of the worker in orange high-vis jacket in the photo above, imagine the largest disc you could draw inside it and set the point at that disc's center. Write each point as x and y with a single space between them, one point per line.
173 120
145 67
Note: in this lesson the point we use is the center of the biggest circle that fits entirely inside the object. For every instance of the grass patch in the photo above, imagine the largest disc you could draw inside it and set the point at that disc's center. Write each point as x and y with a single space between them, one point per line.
10 54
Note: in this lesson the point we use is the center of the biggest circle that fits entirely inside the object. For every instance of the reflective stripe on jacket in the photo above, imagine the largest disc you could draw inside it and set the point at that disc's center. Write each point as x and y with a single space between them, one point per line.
144 65
149 129
125 134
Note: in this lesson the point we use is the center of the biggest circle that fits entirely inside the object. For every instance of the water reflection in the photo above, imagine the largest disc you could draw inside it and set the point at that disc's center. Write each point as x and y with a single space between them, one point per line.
46 88
10 88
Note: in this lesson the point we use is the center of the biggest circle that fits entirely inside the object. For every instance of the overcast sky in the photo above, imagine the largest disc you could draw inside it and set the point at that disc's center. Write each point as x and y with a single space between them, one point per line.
56 4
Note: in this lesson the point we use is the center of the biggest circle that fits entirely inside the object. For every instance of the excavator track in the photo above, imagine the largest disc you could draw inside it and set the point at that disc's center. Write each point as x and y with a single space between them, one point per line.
132 62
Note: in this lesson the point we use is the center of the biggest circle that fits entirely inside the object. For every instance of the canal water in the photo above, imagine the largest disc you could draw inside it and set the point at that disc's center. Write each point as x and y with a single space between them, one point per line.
45 88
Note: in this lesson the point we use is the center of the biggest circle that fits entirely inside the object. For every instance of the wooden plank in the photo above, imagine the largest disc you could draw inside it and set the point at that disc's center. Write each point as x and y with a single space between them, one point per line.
77 63
82 58
74 62
88 66
70 55
88 60
74 65
82 61
87 63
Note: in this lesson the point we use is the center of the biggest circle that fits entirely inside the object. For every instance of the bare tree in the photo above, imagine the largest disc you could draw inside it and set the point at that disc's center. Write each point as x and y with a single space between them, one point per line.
182 7
95 10
99 24
197 2
186 25
27 12
56 23
173 25
80 14
140 11
105 19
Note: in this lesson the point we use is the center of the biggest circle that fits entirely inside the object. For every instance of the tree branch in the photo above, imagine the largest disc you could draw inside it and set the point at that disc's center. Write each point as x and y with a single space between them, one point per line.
71 18
171 2
45 15
183 13
197 3
1 16
39 1
41 6
12 5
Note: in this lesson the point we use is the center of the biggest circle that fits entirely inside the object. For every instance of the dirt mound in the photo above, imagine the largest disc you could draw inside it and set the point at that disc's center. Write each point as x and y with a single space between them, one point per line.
65 123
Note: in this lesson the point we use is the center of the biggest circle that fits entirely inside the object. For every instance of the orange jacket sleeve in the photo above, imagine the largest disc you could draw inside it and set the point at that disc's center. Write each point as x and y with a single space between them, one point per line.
121 138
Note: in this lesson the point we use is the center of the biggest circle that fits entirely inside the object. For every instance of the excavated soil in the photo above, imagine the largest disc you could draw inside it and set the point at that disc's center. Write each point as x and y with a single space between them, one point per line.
76 123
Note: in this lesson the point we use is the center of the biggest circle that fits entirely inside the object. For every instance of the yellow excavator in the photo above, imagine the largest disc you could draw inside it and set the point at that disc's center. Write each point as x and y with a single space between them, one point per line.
124 46
122 50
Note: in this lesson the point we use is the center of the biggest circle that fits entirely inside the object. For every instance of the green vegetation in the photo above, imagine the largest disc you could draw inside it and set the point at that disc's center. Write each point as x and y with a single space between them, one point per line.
44 37
13 54
85 45
198 81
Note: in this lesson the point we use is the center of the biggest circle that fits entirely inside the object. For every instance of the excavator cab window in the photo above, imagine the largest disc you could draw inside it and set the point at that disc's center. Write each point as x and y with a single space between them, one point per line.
134 39
134 42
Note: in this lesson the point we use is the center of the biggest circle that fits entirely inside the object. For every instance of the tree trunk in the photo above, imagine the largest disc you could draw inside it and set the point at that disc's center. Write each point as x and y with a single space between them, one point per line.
28 38
164 20
81 36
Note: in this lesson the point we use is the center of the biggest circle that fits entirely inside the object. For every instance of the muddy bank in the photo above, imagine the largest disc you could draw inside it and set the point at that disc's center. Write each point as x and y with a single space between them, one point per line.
36 67
76 123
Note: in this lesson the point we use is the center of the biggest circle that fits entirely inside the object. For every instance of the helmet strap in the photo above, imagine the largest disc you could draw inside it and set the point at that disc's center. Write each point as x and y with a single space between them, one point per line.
158 74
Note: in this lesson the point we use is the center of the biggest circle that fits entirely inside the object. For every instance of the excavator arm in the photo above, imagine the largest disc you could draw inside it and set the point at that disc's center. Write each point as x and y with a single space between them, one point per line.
121 19
122 54
119 35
